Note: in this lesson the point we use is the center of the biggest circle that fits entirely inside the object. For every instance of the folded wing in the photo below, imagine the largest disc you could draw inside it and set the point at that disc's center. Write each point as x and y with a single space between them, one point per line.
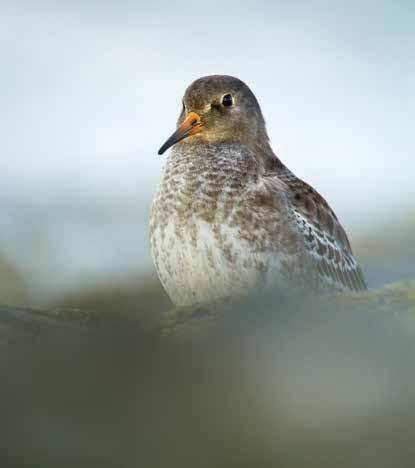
325 242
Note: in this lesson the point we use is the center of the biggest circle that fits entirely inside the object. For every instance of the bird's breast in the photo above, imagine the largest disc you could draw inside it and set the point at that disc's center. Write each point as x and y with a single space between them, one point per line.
212 231
199 260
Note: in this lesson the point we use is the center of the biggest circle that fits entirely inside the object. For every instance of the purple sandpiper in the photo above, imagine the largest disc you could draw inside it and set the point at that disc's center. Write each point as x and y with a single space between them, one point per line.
229 217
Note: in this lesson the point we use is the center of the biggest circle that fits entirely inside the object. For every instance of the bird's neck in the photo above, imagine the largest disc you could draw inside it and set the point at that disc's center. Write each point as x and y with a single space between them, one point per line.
226 155
219 165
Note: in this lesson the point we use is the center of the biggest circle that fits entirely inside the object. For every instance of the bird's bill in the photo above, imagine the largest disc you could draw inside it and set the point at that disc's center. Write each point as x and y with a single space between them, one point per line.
190 126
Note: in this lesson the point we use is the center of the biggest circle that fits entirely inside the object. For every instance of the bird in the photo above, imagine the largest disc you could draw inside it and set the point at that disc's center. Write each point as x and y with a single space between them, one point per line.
229 218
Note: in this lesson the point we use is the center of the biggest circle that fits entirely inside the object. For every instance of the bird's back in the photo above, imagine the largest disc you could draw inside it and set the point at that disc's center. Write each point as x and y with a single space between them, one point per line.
324 240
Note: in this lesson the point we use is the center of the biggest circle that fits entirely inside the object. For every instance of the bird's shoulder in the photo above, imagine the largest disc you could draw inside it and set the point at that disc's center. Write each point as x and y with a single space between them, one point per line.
324 238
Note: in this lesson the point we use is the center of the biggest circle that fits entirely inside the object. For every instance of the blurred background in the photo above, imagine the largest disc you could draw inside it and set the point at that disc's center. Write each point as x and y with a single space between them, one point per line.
91 89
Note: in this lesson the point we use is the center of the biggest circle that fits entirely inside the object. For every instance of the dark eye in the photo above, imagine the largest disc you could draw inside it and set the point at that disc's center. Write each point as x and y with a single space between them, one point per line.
227 100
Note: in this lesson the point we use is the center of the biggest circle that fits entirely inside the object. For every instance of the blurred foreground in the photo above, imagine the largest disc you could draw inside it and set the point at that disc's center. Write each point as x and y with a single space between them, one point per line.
276 381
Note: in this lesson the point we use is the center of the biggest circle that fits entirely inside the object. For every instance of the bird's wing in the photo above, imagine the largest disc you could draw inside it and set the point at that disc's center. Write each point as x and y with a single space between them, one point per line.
324 239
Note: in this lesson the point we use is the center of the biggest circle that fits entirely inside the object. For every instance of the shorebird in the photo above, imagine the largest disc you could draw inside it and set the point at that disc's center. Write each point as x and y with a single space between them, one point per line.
229 217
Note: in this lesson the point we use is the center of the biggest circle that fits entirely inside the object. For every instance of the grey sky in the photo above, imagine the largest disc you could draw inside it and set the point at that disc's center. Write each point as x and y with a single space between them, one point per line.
91 90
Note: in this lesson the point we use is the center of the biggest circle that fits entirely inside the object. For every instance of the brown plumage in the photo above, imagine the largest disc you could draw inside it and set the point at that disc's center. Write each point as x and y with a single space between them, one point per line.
229 217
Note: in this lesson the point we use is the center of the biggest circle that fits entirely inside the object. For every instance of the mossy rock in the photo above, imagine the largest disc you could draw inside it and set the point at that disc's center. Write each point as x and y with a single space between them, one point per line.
13 289
393 300
270 381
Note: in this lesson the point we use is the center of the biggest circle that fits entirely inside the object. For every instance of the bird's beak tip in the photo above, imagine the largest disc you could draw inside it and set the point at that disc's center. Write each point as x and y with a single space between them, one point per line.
190 126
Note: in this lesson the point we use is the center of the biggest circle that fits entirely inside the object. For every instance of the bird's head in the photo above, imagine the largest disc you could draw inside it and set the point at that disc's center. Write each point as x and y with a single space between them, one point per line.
218 109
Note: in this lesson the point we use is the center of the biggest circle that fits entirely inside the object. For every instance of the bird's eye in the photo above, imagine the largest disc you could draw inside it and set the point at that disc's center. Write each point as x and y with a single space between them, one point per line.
227 100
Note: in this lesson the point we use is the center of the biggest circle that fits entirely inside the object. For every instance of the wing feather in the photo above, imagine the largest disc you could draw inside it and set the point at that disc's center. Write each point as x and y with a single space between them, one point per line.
325 241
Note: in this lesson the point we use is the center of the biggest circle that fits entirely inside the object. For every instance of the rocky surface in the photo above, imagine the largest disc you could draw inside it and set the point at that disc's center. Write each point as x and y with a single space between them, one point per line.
281 381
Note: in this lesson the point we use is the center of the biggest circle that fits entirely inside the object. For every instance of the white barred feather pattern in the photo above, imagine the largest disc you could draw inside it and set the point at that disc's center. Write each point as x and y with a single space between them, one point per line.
335 263
325 241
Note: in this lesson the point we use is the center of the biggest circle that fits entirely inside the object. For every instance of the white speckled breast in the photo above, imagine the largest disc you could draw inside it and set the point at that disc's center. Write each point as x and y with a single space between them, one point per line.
207 230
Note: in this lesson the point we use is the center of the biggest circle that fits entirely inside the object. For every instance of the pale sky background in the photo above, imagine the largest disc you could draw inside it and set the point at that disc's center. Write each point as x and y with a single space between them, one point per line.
91 89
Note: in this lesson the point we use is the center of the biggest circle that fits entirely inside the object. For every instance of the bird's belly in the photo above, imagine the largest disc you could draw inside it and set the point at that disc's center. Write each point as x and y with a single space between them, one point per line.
199 261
